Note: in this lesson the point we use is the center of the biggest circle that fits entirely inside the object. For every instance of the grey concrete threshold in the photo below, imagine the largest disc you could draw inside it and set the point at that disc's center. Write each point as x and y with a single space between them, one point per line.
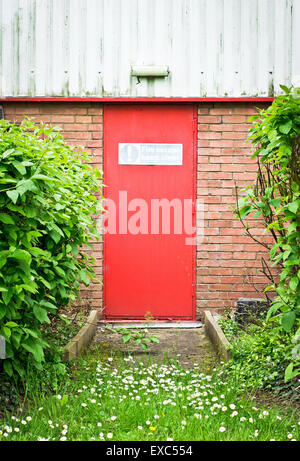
180 325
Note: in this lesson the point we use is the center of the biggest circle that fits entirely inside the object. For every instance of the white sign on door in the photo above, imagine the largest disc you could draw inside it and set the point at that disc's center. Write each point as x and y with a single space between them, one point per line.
150 154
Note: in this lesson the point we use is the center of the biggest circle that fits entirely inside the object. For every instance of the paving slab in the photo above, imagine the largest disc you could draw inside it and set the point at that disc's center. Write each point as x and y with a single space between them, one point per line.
187 345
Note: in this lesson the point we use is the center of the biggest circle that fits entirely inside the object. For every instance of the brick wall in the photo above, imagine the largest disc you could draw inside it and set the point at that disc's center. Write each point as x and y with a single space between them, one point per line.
228 262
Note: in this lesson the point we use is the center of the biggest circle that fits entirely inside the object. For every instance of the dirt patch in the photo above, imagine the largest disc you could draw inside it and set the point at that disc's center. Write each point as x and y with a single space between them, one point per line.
189 346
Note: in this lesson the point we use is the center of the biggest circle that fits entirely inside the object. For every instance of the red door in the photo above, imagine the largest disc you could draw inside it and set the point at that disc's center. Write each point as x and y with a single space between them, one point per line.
149 173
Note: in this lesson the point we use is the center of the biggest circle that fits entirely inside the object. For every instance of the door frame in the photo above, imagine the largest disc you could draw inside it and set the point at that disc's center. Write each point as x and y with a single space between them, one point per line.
194 197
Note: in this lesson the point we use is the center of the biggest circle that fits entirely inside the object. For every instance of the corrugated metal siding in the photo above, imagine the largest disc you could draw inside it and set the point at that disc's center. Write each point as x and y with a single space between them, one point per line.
86 47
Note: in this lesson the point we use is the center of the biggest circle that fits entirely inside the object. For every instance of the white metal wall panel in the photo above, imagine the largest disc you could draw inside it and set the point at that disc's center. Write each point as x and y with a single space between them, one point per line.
87 47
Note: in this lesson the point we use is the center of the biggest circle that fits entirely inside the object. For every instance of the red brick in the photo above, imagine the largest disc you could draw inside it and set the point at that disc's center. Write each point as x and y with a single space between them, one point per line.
28 109
234 119
209 119
97 119
95 127
209 135
77 135
221 110
209 151
9 108
247 110
209 167
75 127
221 143
83 119
203 110
246 176
97 143
203 127
233 135
96 110
62 118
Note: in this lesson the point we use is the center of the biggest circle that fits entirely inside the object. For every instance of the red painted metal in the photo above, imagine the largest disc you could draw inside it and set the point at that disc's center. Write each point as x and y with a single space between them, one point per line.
134 100
146 272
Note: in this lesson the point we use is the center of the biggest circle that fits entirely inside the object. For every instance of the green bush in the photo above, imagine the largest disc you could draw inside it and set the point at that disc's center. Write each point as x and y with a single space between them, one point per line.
48 204
260 356
275 197
230 328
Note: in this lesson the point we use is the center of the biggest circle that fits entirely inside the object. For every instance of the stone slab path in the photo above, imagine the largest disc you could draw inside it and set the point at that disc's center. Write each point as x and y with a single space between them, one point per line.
189 346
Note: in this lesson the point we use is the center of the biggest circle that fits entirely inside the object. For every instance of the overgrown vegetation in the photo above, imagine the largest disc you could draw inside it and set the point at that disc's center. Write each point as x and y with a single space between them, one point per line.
260 354
122 399
139 336
48 204
275 197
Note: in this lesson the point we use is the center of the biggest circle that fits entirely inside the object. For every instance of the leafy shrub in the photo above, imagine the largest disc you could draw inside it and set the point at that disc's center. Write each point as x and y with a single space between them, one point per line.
230 328
48 203
275 197
260 357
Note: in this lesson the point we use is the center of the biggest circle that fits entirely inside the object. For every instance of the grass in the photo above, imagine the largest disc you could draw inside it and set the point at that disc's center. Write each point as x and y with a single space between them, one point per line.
120 399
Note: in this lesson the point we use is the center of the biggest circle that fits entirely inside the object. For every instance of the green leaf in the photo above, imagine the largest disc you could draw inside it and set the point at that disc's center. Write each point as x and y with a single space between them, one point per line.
275 202
294 206
18 367
84 278
34 348
59 206
21 168
7 295
294 283
3 261
74 250
26 185
285 128
16 338
292 227
21 255
31 332
11 324
7 366
284 88
55 236
6 218
45 178
7 153
288 320
41 314
290 373
51 307
245 211
126 338
6 332
13 195
38 352
2 311
154 339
